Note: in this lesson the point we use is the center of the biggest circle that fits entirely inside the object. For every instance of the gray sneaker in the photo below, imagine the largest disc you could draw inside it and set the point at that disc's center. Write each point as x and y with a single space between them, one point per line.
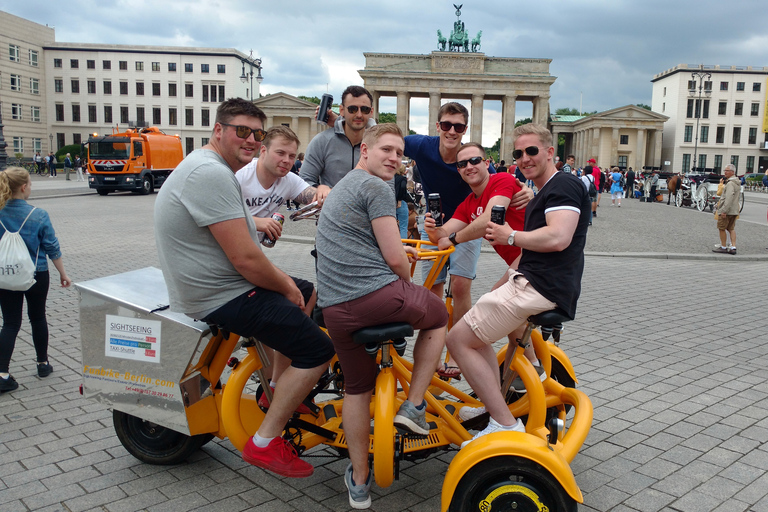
413 420
518 385
359 495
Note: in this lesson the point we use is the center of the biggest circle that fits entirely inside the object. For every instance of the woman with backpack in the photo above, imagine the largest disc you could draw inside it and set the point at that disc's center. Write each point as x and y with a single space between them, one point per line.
34 226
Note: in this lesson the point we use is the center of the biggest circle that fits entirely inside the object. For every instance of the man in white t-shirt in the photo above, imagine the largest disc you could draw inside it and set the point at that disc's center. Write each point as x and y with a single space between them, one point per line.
267 183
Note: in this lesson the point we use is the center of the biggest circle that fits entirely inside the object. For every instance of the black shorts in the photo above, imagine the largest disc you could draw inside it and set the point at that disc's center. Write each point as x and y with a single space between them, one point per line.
278 323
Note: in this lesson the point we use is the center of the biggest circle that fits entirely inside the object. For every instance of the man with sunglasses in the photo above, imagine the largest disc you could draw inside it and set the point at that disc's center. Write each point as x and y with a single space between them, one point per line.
548 275
215 271
333 153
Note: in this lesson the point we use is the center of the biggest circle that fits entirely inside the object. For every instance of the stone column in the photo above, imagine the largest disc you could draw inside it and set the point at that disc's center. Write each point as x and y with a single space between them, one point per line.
270 122
540 110
403 102
596 146
614 147
507 127
657 148
434 108
476 118
295 124
640 157
375 104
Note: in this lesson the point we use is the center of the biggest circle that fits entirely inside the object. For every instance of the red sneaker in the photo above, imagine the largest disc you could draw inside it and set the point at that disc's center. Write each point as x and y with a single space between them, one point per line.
264 404
279 457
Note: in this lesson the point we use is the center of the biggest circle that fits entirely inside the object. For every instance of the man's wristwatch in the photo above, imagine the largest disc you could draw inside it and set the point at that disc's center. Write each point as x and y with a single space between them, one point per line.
452 238
511 239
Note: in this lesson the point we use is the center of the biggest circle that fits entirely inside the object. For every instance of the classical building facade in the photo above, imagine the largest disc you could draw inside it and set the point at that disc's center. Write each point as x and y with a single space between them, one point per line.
293 112
451 75
731 116
627 136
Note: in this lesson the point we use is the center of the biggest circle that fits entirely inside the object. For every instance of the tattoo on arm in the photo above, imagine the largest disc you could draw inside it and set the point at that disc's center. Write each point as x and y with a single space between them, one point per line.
306 196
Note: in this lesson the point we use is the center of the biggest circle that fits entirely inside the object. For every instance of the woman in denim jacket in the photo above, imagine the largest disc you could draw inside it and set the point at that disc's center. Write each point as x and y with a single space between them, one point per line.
38 234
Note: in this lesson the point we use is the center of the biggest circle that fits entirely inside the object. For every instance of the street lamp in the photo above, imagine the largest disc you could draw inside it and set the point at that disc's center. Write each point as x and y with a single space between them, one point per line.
253 62
703 77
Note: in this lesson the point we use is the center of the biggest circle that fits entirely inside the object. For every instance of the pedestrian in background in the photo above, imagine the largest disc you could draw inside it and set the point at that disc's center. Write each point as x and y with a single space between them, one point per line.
616 191
630 183
52 165
79 168
35 227
727 211
67 165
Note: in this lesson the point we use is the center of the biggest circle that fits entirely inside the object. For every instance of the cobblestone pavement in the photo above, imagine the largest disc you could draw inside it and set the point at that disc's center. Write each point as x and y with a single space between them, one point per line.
672 353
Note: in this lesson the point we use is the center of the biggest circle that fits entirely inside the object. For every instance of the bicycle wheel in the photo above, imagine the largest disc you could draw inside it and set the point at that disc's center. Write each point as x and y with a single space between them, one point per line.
702 197
741 202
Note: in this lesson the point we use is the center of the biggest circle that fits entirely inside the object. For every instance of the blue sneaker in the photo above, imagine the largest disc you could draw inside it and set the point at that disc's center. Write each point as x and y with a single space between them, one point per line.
359 495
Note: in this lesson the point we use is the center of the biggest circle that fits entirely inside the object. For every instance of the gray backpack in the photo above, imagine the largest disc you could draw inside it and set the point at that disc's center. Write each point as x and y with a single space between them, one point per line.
17 270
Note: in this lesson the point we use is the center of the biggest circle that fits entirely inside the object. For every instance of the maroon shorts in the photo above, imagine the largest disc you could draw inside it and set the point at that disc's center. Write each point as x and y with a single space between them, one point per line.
399 301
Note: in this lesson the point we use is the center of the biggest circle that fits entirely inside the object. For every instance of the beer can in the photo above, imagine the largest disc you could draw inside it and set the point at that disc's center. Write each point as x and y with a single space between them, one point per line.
435 207
325 103
498 213
268 242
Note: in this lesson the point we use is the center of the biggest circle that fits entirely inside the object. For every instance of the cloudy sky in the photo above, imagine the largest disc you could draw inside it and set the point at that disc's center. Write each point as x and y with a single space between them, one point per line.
604 52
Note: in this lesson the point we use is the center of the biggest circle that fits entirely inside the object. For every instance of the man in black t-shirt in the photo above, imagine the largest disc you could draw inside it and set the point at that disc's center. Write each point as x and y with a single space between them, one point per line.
548 274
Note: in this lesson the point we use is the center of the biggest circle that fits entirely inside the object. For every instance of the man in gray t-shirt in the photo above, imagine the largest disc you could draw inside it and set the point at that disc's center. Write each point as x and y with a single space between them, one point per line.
363 279
215 271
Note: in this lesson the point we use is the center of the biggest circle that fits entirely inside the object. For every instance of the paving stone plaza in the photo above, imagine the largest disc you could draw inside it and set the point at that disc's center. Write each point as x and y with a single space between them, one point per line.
670 343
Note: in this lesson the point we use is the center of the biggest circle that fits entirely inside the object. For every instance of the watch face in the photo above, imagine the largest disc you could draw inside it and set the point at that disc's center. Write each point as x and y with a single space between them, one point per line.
511 239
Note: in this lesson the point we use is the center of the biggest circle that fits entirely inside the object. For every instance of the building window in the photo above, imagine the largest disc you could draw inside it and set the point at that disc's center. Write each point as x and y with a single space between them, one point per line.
123 88
723 86
139 65
190 143
686 161
718 163
74 64
33 58
188 90
172 90
91 86
754 110
14 52
107 86
738 109
188 68
35 113
156 116
205 140
172 116
702 161
205 92
750 164
59 112
60 142
704 134
720 135
18 145
735 161
92 113
708 86
139 116
57 63
689 109
76 138
107 114
663 107
37 145
139 88
75 113
221 93
755 86
155 66
739 86
705 114
106 64
189 117
124 114
155 88
688 136
721 108
75 86
15 82
171 66
205 119
34 86
58 85
737 134
752 135
16 111
204 68
221 69
90 64
123 64
624 139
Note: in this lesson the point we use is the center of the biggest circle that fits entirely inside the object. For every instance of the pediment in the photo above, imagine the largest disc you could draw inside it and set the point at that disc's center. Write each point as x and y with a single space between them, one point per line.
283 100
630 112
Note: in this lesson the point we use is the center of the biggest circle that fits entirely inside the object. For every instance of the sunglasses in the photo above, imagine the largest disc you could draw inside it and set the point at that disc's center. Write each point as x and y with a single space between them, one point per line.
458 127
530 151
474 161
352 109
244 132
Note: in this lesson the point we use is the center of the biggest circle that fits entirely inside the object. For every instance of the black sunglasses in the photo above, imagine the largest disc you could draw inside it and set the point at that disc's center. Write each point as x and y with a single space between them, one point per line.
474 161
530 151
244 132
458 127
352 109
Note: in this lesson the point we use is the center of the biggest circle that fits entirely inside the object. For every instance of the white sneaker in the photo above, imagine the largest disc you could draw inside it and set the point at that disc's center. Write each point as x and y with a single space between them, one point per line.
494 426
468 413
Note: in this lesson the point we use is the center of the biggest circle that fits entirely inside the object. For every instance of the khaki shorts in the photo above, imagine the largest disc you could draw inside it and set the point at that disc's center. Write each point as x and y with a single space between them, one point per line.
726 222
504 309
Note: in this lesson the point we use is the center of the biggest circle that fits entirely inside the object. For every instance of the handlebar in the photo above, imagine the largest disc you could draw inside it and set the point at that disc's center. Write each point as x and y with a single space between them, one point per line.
440 258
308 211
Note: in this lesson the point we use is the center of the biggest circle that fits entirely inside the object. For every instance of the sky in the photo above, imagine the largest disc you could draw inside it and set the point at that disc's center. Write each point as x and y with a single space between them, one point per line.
604 52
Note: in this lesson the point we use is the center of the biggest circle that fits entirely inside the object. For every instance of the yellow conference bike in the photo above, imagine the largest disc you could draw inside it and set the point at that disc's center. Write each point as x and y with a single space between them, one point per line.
174 384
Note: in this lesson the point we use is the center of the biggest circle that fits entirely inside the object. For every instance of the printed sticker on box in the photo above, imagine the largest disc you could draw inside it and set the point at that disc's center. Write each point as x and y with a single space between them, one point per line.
133 338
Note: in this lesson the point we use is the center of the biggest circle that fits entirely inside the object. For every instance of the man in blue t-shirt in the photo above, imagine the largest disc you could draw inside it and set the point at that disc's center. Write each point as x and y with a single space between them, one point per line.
547 277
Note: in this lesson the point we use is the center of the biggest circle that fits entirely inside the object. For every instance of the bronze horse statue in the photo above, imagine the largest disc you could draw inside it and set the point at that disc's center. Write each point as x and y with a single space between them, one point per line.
673 186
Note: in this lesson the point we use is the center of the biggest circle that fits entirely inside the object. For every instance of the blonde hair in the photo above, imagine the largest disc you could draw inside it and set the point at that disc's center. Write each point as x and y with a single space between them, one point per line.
11 180
373 133
544 135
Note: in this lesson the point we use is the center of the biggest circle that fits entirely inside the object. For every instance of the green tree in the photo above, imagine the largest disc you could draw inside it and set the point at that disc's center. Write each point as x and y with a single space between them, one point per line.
387 117
567 112
523 121
643 105
311 99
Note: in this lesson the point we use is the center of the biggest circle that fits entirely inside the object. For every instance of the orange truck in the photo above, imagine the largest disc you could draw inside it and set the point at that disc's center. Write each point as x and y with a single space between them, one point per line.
138 160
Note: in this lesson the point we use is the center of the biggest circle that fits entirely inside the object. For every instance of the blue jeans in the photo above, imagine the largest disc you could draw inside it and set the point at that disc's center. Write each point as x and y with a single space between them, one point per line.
402 219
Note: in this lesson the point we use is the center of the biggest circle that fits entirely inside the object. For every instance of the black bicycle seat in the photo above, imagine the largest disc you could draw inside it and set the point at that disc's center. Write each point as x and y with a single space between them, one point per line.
383 332
549 318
